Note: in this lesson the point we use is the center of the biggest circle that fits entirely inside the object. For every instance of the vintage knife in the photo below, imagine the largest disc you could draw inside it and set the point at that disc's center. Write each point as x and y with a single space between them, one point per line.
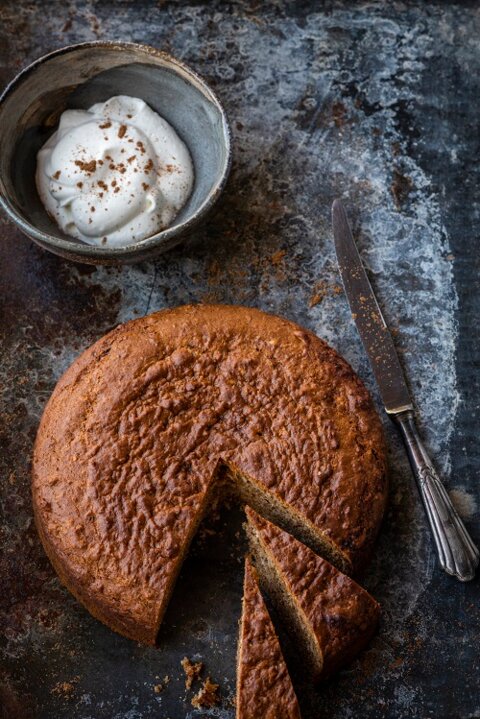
457 553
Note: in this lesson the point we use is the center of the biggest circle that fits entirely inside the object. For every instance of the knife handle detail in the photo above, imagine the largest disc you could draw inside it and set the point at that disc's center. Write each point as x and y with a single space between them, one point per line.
456 551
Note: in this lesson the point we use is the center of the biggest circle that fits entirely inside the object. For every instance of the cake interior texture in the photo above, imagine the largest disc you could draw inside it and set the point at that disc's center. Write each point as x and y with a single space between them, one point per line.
249 492
333 617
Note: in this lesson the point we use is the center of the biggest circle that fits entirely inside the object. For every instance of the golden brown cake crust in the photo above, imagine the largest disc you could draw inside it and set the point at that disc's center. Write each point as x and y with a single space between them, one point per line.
264 687
342 616
131 438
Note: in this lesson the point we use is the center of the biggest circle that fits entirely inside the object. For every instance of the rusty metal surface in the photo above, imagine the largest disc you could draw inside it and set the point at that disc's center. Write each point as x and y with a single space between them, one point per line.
374 101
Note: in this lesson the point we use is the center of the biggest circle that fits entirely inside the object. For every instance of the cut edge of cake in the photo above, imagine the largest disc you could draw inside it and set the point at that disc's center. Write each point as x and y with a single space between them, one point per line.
325 649
268 505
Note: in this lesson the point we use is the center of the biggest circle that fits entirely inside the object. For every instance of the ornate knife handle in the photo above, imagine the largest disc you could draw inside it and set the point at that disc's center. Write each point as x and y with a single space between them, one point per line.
457 553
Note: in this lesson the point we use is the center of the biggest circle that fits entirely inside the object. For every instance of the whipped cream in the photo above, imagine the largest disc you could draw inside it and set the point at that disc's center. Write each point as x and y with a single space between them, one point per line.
114 174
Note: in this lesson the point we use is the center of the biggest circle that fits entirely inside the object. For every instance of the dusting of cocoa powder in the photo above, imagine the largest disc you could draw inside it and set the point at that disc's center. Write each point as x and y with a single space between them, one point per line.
87 166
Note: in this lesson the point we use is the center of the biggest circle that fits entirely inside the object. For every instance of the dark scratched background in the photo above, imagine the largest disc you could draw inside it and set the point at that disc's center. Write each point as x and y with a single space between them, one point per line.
376 102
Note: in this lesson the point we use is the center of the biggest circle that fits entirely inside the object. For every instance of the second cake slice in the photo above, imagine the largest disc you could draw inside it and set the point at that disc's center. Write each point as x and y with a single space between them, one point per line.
264 688
332 615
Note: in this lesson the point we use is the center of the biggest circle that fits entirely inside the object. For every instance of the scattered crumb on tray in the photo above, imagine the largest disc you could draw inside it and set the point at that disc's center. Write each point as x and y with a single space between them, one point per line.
192 671
321 290
65 689
277 257
207 696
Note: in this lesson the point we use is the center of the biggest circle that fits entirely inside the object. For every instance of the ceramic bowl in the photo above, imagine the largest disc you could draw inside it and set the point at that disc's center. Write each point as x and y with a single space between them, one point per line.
78 76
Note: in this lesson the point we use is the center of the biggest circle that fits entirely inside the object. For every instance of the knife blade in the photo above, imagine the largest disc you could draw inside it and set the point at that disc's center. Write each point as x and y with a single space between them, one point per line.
457 554
368 317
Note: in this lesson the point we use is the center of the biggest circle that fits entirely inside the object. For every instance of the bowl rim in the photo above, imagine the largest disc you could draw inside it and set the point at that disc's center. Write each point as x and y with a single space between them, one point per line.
164 237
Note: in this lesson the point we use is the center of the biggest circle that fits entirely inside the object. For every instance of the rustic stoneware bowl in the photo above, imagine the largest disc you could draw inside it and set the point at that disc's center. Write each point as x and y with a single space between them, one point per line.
78 76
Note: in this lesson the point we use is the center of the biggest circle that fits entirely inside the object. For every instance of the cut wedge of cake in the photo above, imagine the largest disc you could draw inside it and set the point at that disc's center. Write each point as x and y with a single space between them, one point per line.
332 615
264 687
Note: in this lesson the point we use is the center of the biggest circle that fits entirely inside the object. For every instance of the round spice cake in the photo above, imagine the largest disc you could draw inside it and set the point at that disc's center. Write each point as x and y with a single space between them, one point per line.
163 415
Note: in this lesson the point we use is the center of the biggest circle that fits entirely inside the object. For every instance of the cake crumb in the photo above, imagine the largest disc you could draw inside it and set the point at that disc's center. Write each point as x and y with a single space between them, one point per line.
319 293
207 696
277 257
192 671
158 688
321 290
65 689
122 130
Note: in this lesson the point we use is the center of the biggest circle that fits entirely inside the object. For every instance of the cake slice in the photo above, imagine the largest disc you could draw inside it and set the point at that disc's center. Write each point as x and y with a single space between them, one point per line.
330 613
264 688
